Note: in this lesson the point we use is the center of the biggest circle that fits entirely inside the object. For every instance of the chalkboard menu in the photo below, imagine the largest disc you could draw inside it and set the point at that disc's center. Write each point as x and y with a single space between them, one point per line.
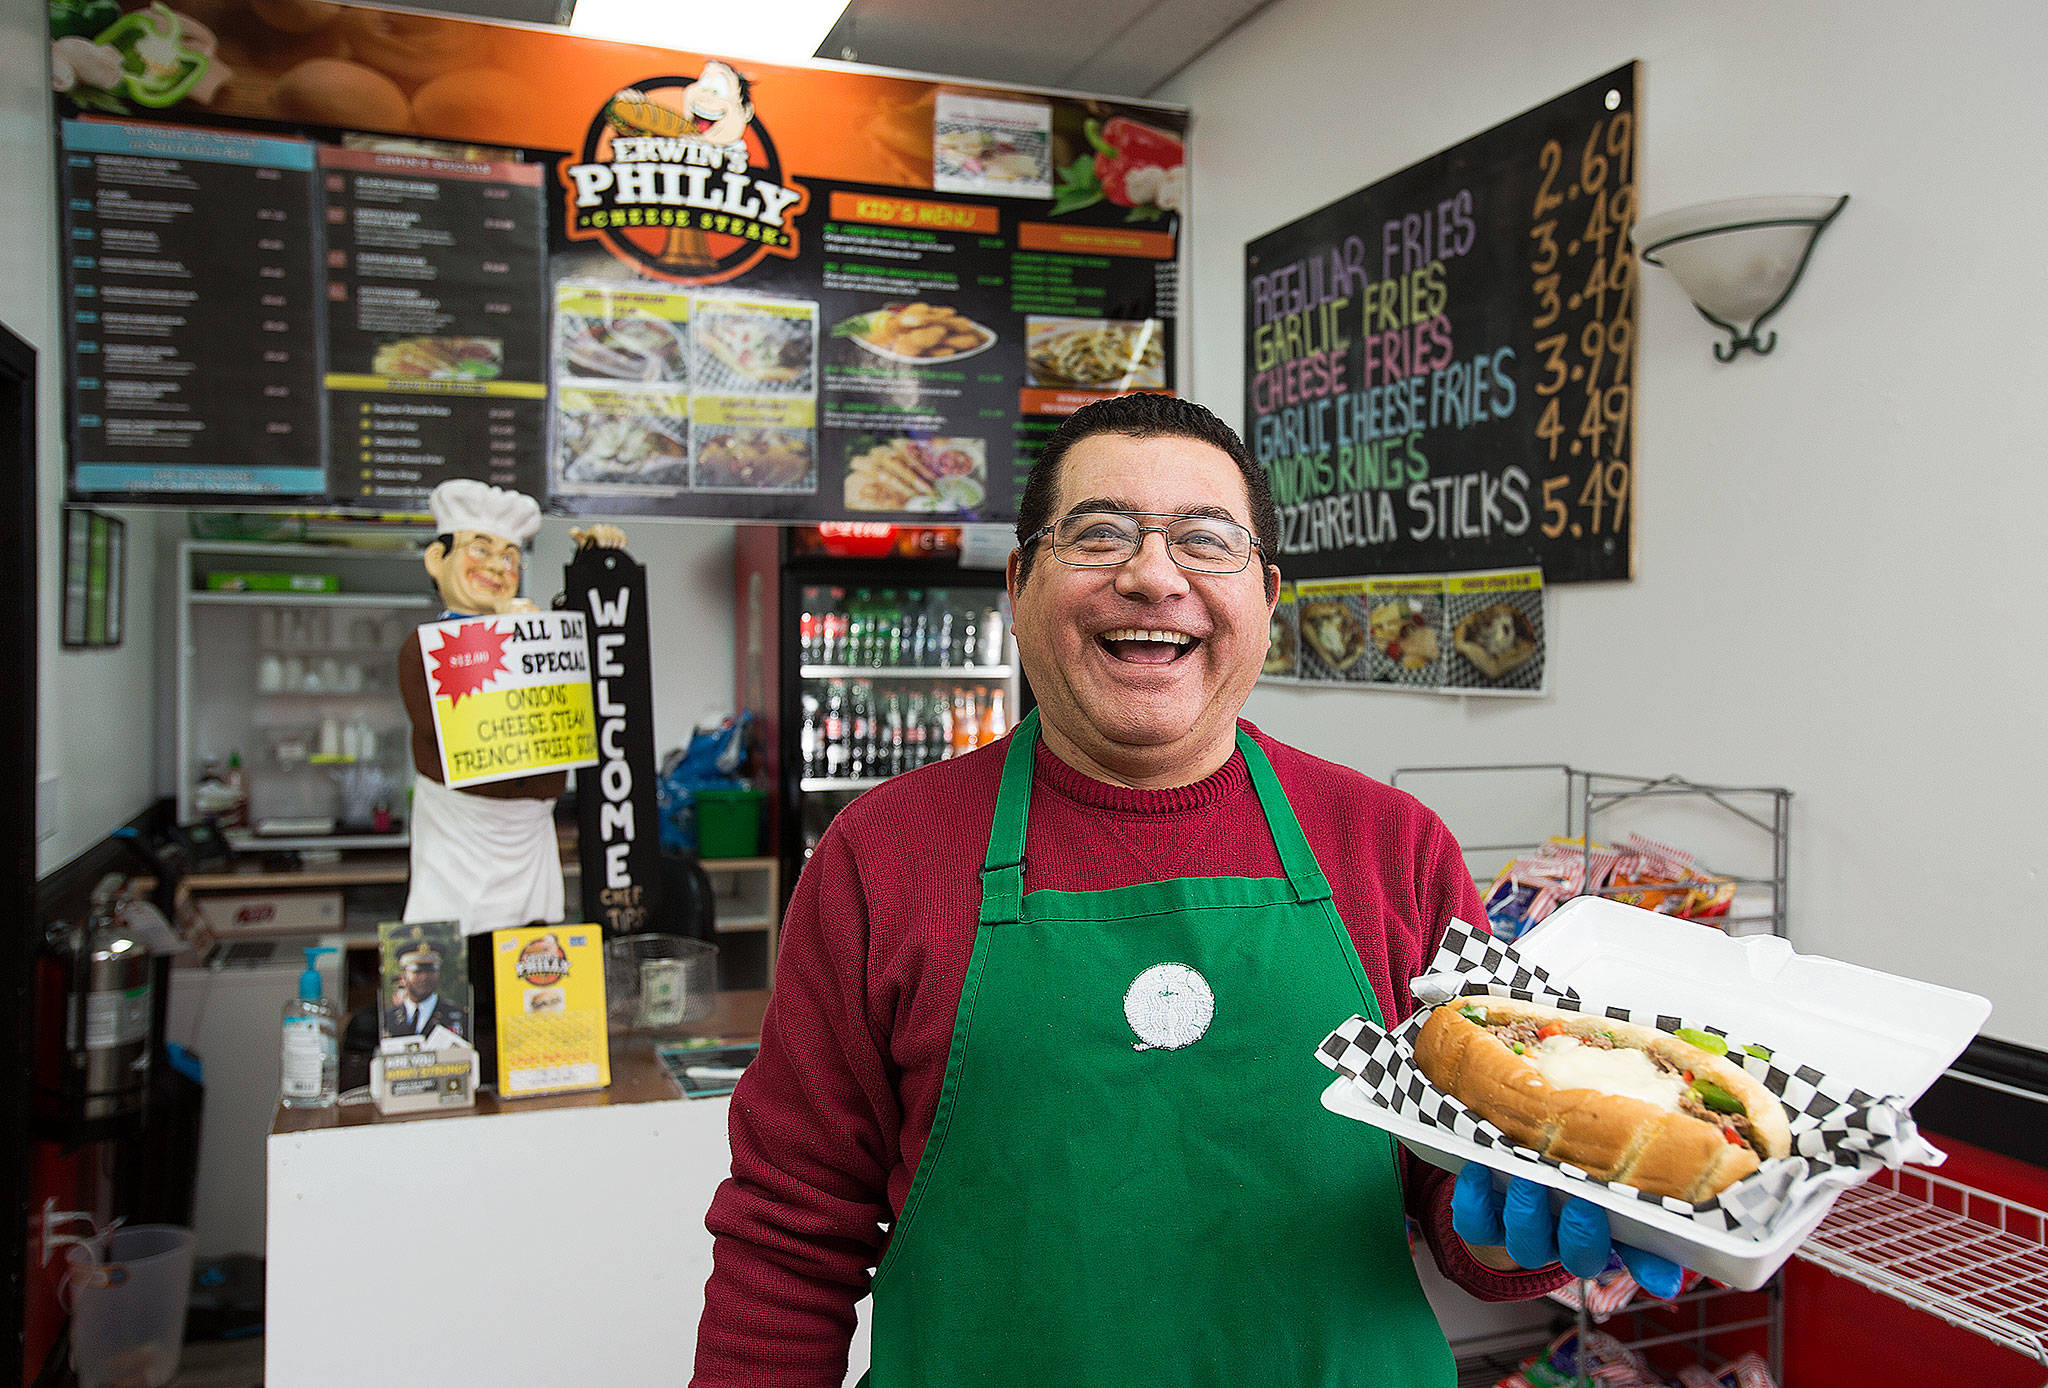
1439 369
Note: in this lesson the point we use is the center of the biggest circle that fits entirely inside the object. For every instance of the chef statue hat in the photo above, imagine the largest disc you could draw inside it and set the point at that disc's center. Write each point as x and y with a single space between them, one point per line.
462 503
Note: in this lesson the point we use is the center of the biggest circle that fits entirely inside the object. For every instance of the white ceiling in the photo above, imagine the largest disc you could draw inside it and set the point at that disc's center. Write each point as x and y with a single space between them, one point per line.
1116 47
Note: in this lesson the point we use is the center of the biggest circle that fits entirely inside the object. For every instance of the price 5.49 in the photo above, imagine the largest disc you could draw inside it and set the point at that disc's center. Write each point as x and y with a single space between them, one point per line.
1602 502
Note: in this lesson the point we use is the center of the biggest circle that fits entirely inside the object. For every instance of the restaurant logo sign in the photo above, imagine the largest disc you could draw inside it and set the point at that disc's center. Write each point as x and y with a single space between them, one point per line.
679 178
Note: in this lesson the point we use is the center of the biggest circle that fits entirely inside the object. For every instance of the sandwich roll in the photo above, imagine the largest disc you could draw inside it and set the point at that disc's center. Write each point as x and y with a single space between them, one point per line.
1621 1102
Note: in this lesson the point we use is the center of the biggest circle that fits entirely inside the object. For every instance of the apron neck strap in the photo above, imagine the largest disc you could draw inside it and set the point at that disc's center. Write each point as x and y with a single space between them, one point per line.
1002 870
1297 859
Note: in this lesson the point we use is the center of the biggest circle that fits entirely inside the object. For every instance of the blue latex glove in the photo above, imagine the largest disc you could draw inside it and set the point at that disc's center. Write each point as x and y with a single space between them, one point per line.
1519 1219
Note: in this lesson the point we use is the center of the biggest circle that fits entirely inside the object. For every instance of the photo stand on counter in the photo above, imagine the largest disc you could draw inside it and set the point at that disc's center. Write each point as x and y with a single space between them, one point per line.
410 1077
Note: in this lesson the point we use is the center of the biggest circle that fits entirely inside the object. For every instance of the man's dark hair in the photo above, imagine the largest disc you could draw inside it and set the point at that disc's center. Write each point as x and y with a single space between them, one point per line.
1143 417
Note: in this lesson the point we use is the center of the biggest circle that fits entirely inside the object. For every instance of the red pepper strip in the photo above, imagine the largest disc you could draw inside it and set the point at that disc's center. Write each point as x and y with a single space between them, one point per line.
1548 1030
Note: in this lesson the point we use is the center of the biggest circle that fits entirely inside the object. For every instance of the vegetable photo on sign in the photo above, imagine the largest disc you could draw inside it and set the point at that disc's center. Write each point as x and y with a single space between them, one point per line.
1134 165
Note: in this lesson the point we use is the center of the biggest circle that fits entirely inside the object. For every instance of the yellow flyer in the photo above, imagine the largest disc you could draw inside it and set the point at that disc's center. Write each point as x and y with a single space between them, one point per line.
511 695
551 1013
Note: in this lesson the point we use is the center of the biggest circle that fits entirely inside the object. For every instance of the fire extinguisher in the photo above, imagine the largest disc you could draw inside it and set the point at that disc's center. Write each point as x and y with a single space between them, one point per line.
108 1002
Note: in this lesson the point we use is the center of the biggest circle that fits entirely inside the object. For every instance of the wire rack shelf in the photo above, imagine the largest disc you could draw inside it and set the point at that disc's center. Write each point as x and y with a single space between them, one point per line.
1976 1260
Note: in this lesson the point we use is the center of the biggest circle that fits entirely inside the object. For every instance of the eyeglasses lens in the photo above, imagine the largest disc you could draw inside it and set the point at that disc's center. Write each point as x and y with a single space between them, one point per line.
1201 544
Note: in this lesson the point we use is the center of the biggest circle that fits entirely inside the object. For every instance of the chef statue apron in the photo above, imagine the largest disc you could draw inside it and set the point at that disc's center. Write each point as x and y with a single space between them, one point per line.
1130 1182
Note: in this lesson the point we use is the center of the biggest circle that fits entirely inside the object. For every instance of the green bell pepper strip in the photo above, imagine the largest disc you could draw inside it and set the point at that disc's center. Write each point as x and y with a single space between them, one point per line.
128 34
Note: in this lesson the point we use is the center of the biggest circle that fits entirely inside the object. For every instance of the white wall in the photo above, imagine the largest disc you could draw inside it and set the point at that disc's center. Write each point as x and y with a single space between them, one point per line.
96 729
1839 585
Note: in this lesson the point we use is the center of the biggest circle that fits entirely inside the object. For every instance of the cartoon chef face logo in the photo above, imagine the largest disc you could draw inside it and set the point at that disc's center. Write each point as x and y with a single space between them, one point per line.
679 177
720 104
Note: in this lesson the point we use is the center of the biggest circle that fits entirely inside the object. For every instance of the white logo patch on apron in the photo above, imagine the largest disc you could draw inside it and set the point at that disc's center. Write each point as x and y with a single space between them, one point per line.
1169 1006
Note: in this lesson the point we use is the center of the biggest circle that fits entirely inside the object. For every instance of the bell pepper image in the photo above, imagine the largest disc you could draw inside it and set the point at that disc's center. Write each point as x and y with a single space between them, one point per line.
159 66
1134 165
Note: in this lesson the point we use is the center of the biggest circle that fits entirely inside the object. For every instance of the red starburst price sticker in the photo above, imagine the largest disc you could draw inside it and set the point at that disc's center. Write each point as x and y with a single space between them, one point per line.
511 695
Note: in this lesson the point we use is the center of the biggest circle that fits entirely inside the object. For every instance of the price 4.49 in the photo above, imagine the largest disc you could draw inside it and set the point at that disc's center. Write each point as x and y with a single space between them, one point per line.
1602 501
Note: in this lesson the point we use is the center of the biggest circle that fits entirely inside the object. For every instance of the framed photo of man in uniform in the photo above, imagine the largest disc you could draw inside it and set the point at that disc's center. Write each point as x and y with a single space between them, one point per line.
425 979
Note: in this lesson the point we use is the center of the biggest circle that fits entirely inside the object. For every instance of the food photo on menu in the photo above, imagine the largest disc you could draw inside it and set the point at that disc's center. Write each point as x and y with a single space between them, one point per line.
610 438
935 475
1283 637
754 346
1333 635
983 145
916 334
1095 354
753 459
440 358
1404 623
1496 633
630 344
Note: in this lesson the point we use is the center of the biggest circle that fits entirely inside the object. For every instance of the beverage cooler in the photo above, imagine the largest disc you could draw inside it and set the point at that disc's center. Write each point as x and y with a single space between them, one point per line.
866 651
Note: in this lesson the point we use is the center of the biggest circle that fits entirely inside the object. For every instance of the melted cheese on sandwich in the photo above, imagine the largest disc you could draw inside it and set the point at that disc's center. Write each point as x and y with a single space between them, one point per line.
1628 1073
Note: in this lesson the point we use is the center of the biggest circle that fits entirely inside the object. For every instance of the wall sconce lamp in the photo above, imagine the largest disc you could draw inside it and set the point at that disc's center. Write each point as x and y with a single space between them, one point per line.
1738 259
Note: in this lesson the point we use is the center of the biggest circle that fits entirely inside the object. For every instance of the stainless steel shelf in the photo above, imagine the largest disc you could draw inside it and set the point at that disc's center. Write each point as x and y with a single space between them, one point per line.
1975 1260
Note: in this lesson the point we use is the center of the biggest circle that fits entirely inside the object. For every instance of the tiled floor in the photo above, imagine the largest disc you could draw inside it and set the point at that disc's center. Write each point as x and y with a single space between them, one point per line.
221 1364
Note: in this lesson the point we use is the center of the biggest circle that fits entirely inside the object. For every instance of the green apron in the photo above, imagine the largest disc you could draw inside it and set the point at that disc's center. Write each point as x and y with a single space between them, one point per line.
1130 1182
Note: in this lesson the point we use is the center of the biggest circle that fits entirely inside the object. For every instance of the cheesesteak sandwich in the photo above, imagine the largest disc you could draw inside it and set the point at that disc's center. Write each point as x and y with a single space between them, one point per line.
1622 1102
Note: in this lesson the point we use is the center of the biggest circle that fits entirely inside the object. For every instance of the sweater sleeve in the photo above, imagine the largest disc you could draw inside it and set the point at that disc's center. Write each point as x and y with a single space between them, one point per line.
814 1126
1449 892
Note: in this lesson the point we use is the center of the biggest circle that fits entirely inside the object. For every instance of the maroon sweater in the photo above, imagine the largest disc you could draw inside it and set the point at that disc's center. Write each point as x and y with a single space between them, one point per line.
831 1119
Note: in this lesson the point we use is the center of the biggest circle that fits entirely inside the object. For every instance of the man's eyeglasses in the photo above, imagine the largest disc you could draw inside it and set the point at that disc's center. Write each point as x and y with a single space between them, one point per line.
1104 539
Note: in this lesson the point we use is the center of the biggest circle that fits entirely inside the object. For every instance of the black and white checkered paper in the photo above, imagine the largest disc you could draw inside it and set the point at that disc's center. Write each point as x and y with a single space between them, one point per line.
1840 1134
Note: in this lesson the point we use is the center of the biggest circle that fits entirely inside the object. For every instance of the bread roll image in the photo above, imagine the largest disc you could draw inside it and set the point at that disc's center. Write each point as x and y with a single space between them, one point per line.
475 103
1623 1103
412 49
329 91
296 16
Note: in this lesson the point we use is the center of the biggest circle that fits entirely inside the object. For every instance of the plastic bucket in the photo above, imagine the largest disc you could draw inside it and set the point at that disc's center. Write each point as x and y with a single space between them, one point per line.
658 982
128 1311
728 822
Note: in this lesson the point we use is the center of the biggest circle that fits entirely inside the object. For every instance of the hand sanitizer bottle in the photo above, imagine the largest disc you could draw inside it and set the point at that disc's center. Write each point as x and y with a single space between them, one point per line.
312 1052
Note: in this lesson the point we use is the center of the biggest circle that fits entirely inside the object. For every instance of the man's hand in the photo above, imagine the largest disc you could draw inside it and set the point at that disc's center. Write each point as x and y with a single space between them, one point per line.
1520 1220
599 536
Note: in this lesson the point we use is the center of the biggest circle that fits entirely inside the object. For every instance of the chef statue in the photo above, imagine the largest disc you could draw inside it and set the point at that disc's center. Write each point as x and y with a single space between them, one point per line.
485 855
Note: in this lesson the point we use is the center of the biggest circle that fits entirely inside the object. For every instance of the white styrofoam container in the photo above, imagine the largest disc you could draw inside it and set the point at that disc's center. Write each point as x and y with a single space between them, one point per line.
1882 1033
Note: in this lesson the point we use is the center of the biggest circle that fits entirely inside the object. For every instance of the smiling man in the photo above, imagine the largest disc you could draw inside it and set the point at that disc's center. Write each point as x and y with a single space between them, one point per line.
1042 1038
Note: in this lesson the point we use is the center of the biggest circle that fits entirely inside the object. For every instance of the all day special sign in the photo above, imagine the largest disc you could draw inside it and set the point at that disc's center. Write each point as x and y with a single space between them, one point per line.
511 695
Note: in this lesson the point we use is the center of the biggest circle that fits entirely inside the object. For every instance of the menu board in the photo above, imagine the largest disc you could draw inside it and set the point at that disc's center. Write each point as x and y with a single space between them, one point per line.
630 280
192 313
434 304
1439 367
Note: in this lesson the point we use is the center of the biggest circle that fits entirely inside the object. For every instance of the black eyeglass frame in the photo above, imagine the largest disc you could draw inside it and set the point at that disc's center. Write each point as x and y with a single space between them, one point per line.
1257 546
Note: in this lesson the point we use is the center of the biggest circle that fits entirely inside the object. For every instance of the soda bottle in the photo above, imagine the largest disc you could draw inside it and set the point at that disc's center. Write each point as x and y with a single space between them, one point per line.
916 647
837 749
998 715
942 724
892 736
970 638
810 636
860 637
916 735
942 639
811 746
860 762
966 736
992 636
832 630
888 630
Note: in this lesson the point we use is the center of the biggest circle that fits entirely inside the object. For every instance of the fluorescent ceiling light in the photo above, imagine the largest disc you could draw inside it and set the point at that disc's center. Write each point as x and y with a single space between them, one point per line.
776 30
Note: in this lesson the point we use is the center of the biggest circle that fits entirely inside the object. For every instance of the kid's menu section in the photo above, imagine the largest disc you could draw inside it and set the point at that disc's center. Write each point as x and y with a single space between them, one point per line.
192 308
1440 366
624 279
433 271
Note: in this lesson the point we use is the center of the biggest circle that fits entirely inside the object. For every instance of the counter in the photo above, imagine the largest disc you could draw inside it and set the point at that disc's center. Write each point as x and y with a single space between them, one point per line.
545 1241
